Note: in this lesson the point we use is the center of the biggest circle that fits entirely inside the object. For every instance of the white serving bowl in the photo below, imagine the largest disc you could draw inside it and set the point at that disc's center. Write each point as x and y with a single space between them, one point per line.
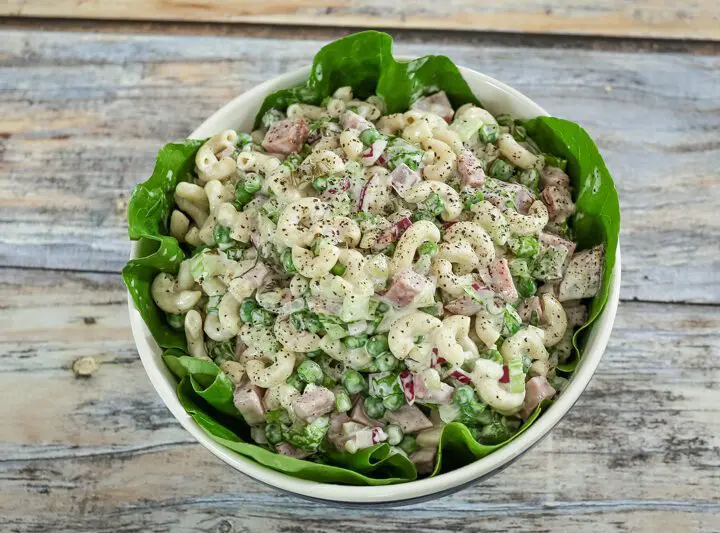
239 114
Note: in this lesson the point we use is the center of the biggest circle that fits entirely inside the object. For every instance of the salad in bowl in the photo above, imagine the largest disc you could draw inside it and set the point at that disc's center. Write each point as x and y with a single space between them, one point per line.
381 280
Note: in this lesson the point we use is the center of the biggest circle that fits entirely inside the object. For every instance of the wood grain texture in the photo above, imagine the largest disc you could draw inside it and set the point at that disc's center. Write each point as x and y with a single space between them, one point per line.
82 117
639 452
645 18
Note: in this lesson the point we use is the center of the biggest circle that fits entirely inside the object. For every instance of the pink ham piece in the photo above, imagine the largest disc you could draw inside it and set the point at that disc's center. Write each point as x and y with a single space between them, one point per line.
537 389
501 281
240 347
248 400
256 275
405 287
577 315
470 169
424 460
554 177
351 120
286 136
402 178
392 234
466 304
291 451
314 402
335 432
559 203
437 103
549 239
410 418
527 307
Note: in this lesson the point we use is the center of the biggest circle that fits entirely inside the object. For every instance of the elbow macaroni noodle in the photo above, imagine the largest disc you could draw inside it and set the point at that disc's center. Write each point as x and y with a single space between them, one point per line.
348 231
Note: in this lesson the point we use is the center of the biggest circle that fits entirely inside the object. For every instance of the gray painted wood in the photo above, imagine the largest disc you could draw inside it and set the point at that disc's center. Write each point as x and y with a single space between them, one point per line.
639 452
84 115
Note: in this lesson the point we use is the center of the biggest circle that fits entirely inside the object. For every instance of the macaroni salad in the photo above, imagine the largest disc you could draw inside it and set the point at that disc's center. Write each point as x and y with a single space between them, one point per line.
364 277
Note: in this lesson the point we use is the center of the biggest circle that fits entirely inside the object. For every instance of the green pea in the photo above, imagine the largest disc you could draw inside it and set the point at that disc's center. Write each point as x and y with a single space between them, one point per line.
273 433
295 381
394 401
271 210
421 214
320 183
338 269
382 308
501 170
389 250
369 136
557 162
310 372
221 234
262 317
386 362
434 310
505 119
252 183
408 444
489 133
434 204
374 407
526 287
377 344
357 341
528 247
472 199
530 178
315 353
287 261
353 381
242 197
394 434
175 321
464 395
427 248
519 133
342 402
246 309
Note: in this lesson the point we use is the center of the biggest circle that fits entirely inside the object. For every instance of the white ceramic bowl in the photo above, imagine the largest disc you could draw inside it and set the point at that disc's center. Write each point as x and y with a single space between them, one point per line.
239 114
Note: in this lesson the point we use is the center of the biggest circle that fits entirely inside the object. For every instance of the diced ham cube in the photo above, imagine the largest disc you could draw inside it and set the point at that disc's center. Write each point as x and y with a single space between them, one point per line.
256 275
410 418
527 307
424 460
358 415
402 178
470 169
335 430
351 120
577 315
248 400
437 103
464 305
582 276
523 200
314 402
405 287
550 239
501 281
240 346
559 203
554 177
291 451
286 136
537 389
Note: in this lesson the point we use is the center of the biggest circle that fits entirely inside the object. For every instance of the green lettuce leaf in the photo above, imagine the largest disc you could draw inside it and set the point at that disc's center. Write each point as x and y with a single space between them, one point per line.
148 212
364 61
597 218
372 466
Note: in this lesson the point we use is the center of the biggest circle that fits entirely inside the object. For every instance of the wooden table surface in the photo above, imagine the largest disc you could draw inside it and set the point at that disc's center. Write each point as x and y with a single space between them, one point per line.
86 104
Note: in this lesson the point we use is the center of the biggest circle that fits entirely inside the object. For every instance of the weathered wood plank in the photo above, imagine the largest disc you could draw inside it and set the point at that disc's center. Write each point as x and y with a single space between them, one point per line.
640 451
649 18
83 116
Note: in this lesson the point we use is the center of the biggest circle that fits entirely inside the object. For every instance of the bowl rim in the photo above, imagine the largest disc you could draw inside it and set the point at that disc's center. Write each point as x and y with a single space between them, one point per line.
401 493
